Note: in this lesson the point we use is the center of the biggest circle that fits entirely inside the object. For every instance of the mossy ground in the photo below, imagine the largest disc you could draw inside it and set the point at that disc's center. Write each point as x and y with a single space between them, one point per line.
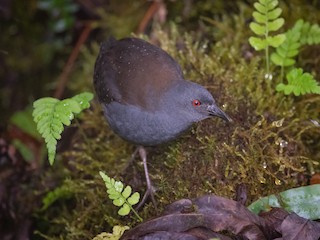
271 146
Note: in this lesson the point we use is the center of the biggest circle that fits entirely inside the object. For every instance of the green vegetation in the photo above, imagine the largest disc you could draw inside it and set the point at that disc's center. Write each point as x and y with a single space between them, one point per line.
267 17
304 201
120 196
51 114
299 83
287 46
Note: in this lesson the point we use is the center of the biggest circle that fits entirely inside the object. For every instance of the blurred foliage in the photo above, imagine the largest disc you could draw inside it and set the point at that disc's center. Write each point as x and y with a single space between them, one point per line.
61 14
32 53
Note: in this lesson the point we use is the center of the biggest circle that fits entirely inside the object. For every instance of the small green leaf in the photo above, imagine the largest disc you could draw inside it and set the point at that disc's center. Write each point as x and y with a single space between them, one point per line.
274 13
275 24
276 40
257 28
83 99
118 202
280 87
264 3
51 155
114 196
288 62
280 61
69 105
111 189
260 18
299 24
65 119
134 199
104 176
127 192
271 4
118 186
260 8
277 59
45 101
257 43
124 210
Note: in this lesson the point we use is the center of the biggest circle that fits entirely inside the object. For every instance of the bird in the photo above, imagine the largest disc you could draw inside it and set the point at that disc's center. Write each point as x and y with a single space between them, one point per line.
145 98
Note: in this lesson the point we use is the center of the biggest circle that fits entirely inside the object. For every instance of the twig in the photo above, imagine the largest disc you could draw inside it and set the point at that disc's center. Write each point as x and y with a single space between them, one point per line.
147 16
63 78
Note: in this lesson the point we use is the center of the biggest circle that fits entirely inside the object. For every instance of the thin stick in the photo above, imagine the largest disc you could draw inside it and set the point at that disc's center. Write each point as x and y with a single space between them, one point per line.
63 78
147 16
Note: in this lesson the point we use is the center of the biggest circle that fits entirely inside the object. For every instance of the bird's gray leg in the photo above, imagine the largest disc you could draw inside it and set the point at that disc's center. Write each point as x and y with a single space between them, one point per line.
150 188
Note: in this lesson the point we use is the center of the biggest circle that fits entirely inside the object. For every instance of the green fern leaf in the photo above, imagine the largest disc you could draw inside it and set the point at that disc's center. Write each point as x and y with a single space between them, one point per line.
276 40
275 25
258 43
285 53
124 210
62 192
118 202
310 34
274 14
260 8
134 199
267 19
299 83
121 196
51 114
127 192
257 28
83 99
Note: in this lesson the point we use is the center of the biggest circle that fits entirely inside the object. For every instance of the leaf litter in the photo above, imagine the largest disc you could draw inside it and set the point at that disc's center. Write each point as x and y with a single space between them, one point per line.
211 216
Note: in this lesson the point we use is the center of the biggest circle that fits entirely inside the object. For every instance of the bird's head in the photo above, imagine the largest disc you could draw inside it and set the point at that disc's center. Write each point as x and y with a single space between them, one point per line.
193 102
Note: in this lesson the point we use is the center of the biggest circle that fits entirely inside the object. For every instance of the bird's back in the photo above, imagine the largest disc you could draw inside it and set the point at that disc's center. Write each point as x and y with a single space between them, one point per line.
132 71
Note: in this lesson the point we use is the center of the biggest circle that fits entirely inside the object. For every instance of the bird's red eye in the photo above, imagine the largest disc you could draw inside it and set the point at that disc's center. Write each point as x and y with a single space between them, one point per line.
196 103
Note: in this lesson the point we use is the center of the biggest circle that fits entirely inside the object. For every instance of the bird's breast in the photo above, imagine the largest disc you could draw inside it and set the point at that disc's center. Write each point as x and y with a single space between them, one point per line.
144 127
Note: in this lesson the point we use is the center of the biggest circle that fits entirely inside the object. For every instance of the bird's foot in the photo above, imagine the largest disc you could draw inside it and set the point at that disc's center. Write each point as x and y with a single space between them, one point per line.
149 193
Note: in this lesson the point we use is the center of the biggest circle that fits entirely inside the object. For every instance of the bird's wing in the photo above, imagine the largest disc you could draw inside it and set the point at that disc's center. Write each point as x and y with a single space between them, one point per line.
132 71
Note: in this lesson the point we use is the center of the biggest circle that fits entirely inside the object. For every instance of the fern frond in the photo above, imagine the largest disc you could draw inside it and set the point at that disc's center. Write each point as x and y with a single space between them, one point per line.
267 19
310 34
51 114
120 195
61 192
299 83
285 53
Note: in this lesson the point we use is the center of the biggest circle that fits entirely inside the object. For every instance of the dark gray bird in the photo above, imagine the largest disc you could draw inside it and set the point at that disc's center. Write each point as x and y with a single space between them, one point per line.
144 96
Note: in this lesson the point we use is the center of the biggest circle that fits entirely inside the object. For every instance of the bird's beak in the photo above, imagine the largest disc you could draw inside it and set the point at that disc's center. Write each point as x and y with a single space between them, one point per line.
217 112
